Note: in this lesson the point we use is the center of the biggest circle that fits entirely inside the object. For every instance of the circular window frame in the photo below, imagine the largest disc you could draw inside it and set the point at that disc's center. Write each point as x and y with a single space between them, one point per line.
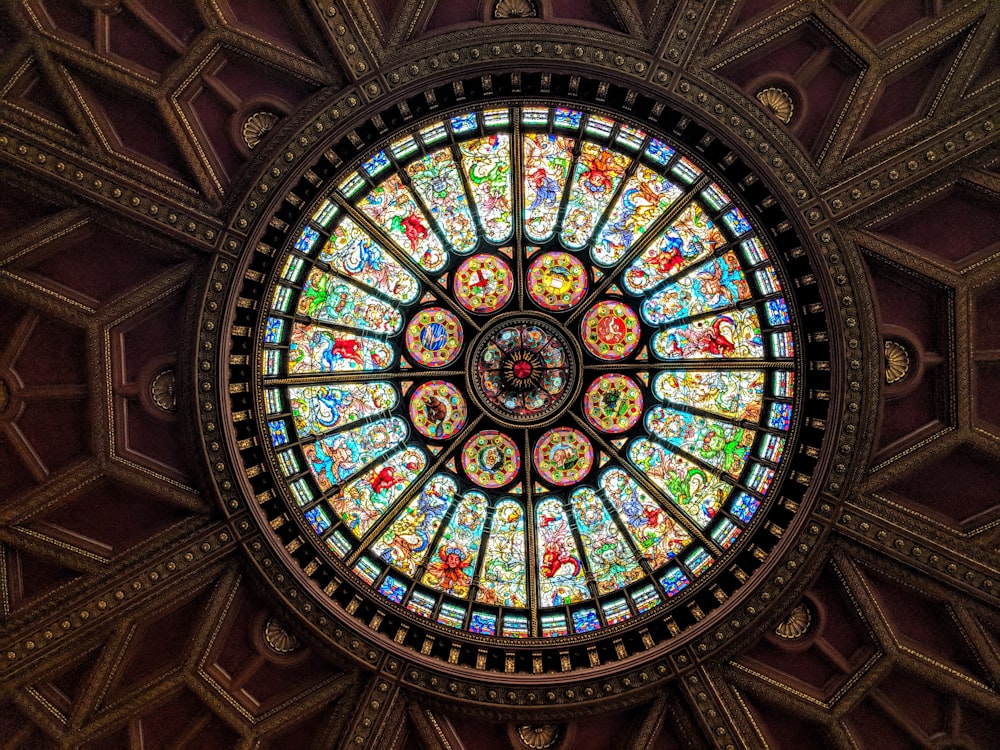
431 657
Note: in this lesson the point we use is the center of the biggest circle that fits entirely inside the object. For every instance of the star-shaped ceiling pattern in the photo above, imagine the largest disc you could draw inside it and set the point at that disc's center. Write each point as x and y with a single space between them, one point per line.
132 133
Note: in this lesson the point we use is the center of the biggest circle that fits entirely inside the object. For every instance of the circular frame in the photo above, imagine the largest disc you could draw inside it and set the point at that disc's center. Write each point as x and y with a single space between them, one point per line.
566 397
617 664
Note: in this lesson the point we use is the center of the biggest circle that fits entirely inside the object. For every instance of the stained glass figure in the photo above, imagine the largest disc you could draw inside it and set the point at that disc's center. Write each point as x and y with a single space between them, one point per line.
484 284
365 498
353 253
611 561
656 534
392 207
627 332
491 459
320 349
434 337
613 403
317 409
547 159
487 165
438 410
406 543
563 456
453 560
721 444
610 330
736 394
691 238
561 576
695 491
714 285
557 281
731 335
333 299
438 184
646 195
503 578
338 457
598 174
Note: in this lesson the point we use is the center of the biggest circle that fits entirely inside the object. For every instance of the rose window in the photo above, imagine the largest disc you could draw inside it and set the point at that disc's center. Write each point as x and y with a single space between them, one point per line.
527 372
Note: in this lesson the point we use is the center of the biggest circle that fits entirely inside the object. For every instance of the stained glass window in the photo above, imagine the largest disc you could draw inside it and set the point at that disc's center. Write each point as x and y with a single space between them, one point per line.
528 372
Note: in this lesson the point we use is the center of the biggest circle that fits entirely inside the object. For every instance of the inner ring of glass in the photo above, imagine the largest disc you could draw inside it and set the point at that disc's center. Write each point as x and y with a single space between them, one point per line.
524 369
609 494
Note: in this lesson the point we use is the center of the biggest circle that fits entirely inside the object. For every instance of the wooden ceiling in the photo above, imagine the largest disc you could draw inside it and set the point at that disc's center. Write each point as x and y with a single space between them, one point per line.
129 617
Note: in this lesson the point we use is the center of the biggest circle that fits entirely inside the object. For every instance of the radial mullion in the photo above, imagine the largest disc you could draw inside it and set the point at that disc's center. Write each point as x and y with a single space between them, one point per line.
301 319
531 554
739 306
517 199
363 286
708 468
456 156
625 533
316 437
687 270
484 541
639 247
402 257
390 513
589 576
432 222
613 201
699 412
694 364
670 507
568 187
335 378
431 546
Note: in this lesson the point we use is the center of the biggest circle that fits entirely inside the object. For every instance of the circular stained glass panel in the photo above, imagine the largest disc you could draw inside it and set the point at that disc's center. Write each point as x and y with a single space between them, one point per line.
524 370
610 330
484 284
617 422
438 410
557 280
490 459
563 456
434 337
613 403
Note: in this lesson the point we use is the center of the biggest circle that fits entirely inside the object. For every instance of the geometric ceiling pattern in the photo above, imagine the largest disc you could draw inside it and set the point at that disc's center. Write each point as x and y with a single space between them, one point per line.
133 135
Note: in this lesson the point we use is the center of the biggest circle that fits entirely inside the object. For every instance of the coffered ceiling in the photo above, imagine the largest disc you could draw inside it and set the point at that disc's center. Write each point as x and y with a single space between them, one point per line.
134 137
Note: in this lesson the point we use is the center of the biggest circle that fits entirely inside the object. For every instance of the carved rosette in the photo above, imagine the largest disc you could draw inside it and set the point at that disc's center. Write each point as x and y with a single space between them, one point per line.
514 9
897 362
256 126
778 102
796 624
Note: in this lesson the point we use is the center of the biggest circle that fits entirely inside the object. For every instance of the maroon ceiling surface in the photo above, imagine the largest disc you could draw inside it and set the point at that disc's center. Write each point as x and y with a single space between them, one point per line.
130 616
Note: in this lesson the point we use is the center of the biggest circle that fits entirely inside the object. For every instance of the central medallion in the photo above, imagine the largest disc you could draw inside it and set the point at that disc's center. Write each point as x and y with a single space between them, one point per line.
524 369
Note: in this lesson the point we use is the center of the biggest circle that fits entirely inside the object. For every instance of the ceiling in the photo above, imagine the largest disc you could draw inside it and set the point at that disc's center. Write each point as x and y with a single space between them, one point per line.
132 144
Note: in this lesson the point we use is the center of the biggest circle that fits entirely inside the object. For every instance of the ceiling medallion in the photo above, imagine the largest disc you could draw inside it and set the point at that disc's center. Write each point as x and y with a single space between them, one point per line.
517 390
778 101
278 639
539 737
256 126
897 361
163 390
514 9
796 624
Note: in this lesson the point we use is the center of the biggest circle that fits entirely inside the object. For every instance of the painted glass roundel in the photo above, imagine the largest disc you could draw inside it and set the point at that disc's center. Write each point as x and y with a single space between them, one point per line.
528 372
